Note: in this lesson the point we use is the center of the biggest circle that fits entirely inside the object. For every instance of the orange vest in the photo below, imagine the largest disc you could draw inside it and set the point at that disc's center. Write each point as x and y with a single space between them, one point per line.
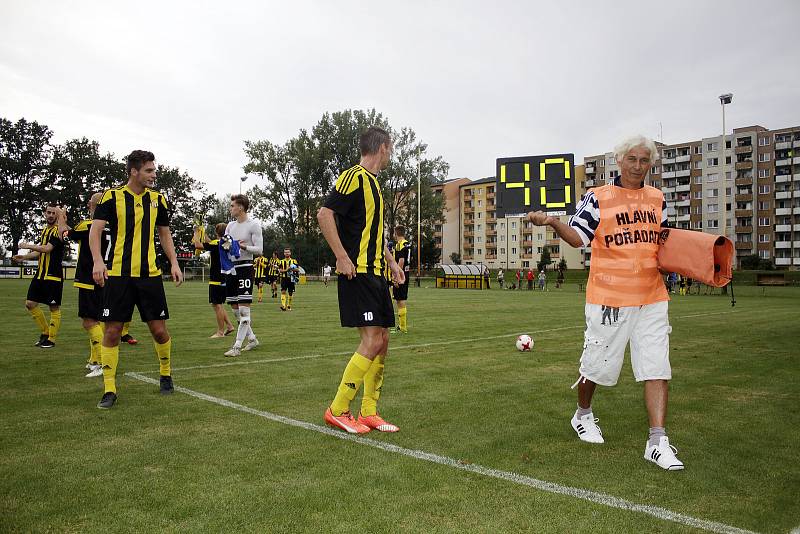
624 267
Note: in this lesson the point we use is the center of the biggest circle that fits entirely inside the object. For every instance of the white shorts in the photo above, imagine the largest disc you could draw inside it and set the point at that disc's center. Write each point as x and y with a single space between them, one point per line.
608 331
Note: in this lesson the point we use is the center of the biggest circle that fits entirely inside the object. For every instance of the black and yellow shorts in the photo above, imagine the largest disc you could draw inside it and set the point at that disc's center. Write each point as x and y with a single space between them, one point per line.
45 291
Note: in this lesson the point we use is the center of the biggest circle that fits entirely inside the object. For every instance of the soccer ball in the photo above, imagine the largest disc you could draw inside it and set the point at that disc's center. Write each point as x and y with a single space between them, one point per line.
524 343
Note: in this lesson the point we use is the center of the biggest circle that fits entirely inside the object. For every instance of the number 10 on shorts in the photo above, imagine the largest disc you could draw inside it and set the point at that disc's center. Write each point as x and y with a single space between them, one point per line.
368 316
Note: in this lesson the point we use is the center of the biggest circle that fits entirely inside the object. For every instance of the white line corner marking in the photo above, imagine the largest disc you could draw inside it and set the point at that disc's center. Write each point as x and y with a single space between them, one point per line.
550 487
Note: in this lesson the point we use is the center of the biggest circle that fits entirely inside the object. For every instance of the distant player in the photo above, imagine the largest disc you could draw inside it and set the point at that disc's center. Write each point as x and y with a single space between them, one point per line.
352 222
272 273
246 233
402 255
216 280
260 267
48 282
288 271
326 274
128 272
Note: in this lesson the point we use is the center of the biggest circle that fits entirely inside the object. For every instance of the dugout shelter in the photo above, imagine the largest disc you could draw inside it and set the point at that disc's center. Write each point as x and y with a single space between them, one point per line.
461 277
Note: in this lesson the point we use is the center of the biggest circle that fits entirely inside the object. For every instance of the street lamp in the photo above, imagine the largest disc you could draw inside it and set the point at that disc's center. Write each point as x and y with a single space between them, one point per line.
726 98
243 179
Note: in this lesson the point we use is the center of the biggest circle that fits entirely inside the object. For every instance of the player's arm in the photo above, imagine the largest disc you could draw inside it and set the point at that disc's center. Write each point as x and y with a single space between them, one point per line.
257 248
99 272
565 232
19 258
198 244
165 236
39 249
327 224
398 276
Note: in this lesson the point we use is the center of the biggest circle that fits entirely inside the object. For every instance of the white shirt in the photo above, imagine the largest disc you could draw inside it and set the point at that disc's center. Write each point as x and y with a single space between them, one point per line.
326 271
248 231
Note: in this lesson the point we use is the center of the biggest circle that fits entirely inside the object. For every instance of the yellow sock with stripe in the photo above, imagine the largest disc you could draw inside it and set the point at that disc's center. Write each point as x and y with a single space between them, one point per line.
289 300
352 378
95 341
402 315
38 318
163 353
125 328
55 325
373 380
110 359
283 300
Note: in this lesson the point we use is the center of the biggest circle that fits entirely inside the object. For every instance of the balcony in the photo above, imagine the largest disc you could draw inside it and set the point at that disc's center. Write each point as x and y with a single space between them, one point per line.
796 143
743 197
743 165
469 234
682 188
744 181
783 261
796 227
670 174
783 244
668 190
526 256
782 162
489 196
682 203
683 158
683 174
781 195
467 257
746 149
796 210
683 218
783 227
781 178
590 170
743 213
744 229
491 256
783 145
666 160
744 245
468 209
796 244
491 232
797 177
551 242
491 219
783 211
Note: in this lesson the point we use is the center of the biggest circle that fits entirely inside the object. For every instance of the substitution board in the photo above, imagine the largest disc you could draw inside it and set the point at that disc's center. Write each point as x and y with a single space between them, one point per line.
532 183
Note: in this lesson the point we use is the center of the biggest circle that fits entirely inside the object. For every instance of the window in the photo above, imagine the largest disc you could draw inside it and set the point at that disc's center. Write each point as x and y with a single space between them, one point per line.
698 179
763 173
502 226
727 160
480 203
713 193
712 162
539 237
728 176
513 225
698 164
712 177
480 251
698 195
727 143
711 147
697 225
713 208
480 214
480 190
763 189
763 238
479 239
763 205
513 237
698 210
502 237
502 251
479 227
763 221
513 251
711 223
763 141
698 149
764 156
763 254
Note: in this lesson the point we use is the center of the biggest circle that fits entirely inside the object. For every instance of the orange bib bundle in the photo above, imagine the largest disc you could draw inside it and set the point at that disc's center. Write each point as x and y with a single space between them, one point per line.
703 257
624 266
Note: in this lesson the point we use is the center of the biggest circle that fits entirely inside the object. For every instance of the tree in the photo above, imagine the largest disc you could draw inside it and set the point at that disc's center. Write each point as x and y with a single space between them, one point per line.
455 257
751 262
24 154
544 261
186 199
275 201
562 265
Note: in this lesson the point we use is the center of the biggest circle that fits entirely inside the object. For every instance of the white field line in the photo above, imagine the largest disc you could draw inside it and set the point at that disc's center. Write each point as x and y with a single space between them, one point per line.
550 487
396 348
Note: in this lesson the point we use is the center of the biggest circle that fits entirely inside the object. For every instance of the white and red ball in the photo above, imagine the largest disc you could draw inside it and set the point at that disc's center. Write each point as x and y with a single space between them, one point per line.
524 343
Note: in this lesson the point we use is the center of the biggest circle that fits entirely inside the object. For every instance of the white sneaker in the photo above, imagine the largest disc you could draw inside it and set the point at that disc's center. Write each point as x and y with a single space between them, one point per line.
587 429
663 455
95 370
234 351
251 344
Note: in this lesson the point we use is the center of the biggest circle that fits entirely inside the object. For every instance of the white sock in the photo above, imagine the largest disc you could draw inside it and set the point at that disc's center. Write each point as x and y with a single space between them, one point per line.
244 325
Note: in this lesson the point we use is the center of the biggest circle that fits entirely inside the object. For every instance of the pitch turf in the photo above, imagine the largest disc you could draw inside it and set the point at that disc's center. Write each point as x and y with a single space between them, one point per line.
458 389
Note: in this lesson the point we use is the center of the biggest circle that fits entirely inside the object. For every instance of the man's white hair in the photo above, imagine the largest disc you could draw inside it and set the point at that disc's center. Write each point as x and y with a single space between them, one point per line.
637 140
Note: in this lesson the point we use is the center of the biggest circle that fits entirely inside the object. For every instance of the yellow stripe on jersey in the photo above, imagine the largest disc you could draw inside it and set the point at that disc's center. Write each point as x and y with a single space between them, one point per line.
136 247
349 180
119 242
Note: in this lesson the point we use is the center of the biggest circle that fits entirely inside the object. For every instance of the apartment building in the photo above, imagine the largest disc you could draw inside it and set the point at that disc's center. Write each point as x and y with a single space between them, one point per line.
750 188
447 235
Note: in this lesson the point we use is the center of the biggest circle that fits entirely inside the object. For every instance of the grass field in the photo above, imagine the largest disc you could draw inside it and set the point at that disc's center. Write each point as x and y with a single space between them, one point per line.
497 419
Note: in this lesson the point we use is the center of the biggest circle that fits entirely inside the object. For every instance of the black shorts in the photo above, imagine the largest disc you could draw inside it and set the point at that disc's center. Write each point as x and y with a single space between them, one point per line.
260 280
216 294
122 293
90 303
365 301
287 285
271 279
401 292
45 292
239 286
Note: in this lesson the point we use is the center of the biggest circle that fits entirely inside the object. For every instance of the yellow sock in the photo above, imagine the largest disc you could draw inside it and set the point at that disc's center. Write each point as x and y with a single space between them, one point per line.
402 315
289 301
38 317
162 351
55 324
95 340
283 300
373 380
110 358
260 292
352 378
125 328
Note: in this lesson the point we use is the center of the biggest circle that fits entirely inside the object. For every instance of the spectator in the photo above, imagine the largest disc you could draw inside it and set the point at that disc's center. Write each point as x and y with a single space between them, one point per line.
530 279
500 277
519 279
560 278
542 280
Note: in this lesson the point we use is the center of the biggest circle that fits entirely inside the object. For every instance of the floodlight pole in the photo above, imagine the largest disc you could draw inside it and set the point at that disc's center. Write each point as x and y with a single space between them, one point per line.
419 214
727 98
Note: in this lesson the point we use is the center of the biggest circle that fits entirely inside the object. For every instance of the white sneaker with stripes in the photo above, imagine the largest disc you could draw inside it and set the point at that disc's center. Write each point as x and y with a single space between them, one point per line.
587 429
663 455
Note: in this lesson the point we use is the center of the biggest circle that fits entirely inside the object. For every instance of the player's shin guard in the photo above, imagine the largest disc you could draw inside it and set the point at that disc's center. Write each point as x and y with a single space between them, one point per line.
402 316
110 359
260 292
244 325
289 301
163 352
373 380
55 325
95 340
352 378
125 328
38 318
283 300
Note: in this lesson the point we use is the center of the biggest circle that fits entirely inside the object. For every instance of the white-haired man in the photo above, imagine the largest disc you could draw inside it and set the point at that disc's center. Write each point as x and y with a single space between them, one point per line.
622 222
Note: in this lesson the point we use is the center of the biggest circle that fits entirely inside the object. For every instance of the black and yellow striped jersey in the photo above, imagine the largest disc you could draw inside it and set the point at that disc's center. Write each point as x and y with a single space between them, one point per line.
260 265
50 267
273 266
402 251
132 219
215 274
85 264
285 267
357 201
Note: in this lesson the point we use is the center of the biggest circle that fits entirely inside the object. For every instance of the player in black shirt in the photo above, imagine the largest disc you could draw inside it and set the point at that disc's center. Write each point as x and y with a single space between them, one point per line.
216 280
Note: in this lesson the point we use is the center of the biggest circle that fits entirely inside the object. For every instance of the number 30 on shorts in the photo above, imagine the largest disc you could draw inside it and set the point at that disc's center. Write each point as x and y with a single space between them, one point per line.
245 283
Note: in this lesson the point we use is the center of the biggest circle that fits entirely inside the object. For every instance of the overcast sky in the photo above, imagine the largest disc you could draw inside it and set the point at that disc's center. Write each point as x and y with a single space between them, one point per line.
476 80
